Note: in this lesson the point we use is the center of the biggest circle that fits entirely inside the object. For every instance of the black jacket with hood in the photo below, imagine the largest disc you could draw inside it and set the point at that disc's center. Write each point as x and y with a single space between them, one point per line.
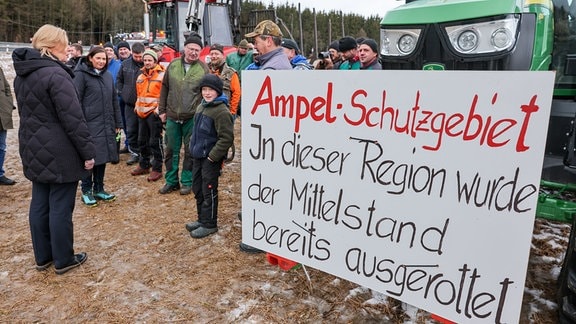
54 140
100 105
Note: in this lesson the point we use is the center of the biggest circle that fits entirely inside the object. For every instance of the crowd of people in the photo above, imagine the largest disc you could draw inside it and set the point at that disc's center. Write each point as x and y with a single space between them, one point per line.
74 108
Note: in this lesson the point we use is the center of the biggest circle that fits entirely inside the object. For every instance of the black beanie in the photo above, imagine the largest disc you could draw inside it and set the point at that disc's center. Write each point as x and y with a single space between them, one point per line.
123 44
334 45
194 39
217 47
347 43
108 44
211 81
372 43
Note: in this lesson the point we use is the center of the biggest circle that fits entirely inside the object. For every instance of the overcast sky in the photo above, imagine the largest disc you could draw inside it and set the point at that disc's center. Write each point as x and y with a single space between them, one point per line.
361 7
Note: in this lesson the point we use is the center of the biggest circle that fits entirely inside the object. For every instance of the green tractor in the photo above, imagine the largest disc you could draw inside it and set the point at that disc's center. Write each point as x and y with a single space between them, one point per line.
501 35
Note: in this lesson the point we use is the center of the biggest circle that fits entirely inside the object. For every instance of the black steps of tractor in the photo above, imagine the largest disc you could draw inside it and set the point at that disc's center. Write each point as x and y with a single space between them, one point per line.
567 282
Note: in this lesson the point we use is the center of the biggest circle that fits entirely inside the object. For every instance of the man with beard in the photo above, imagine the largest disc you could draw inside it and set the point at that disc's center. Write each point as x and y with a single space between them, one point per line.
126 85
240 59
228 75
348 48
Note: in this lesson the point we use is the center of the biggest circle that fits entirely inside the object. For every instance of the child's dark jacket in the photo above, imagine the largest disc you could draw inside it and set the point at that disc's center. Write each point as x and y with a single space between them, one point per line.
213 131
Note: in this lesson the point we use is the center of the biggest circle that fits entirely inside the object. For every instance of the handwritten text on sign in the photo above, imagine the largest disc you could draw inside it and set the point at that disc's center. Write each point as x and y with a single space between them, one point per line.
421 185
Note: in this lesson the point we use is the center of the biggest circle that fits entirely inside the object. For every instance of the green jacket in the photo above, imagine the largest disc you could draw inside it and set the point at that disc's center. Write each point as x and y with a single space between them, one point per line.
179 96
350 65
238 62
6 104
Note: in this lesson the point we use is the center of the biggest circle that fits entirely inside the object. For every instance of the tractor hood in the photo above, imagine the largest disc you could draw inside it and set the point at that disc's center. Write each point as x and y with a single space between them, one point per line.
434 11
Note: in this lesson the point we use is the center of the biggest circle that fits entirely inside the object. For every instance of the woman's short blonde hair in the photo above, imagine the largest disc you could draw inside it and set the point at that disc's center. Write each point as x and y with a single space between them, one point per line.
48 37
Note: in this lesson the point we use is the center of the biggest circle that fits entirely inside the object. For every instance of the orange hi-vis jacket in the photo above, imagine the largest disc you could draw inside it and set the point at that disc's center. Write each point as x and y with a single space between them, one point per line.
148 86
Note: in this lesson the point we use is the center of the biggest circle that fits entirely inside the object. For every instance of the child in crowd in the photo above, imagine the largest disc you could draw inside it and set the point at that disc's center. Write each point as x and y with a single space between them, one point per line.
212 136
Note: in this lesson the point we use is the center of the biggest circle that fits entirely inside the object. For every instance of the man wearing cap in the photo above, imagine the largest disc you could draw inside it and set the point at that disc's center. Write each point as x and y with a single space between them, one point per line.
267 39
148 86
126 85
241 58
178 102
292 50
335 55
331 61
348 48
368 54
228 75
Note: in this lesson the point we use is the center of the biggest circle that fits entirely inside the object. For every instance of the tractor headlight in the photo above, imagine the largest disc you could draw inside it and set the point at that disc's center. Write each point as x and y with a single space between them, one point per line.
467 41
398 42
484 37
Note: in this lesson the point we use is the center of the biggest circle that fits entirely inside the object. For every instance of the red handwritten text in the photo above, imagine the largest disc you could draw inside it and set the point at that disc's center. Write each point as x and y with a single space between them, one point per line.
299 107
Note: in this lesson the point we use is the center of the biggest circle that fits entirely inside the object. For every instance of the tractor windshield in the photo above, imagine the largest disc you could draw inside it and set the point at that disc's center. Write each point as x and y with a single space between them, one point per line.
164 24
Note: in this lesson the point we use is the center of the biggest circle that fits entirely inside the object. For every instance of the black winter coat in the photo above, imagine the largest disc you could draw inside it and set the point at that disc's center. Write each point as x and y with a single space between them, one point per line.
54 140
100 105
126 80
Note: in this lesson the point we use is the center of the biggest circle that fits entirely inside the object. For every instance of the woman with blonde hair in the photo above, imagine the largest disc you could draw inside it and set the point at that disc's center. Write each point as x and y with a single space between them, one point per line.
55 146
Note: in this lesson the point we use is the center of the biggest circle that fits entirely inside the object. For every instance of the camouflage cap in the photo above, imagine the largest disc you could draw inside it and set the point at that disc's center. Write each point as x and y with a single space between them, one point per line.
266 28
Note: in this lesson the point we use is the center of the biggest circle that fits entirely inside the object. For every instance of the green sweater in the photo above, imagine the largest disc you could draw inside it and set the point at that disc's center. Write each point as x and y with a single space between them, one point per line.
179 96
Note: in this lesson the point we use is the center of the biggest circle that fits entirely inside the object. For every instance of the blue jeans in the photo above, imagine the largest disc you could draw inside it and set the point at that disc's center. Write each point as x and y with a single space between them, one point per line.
3 134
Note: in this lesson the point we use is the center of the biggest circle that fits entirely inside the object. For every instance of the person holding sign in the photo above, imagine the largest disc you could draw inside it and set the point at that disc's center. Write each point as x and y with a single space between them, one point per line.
267 39
267 42
212 136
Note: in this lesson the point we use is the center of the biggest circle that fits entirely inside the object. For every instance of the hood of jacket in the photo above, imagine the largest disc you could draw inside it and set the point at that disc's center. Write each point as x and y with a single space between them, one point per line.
299 59
28 60
220 99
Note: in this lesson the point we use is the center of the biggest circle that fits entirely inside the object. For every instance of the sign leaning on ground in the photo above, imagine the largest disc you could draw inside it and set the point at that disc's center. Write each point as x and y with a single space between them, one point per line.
419 184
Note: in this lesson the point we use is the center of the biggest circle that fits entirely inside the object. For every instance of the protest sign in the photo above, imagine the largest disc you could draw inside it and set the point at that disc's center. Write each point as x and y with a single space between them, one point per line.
421 185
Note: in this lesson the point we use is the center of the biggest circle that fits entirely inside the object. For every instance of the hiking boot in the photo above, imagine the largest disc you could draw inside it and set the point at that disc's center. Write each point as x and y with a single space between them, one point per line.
4 181
168 188
88 199
249 249
192 226
103 195
78 260
132 160
185 190
139 171
201 232
154 176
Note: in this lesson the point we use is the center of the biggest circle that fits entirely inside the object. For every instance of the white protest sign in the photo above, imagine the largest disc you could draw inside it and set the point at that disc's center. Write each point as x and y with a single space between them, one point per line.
421 185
